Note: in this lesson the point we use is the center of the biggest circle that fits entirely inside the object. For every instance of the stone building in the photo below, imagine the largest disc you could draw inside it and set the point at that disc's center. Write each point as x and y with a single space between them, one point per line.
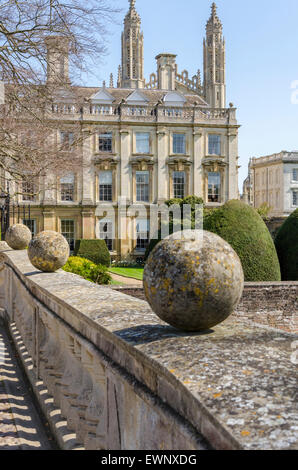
273 179
146 141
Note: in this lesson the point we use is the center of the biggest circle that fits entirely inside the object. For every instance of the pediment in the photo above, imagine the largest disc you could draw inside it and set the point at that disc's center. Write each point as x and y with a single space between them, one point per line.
137 97
173 98
102 96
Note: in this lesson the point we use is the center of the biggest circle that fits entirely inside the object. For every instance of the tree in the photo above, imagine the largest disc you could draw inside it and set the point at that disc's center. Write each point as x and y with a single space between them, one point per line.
28 28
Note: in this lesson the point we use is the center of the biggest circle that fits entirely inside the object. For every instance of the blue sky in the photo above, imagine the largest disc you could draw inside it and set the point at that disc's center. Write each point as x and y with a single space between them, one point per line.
262 61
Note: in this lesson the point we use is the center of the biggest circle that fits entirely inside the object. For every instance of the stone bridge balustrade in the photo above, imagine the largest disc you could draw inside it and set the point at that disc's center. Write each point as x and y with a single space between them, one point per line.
138 113
123 379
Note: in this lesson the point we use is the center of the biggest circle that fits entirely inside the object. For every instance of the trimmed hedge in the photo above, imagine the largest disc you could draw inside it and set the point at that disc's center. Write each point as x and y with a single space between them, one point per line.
243 228
88 270
94 250
286 242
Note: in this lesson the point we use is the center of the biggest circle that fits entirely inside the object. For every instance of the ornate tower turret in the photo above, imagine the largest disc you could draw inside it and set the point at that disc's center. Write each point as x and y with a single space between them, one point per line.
214 62
57 59
132 50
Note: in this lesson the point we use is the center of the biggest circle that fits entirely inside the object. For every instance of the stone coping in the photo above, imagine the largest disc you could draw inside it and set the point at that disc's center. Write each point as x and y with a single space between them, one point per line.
236 384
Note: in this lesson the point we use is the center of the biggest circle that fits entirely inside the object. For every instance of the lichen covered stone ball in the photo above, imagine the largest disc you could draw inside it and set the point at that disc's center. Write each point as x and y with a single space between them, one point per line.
193 280
48 251
18 237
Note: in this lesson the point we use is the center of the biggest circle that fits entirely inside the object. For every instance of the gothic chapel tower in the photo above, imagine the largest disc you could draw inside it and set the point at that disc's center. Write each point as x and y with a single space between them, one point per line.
214 62
132 50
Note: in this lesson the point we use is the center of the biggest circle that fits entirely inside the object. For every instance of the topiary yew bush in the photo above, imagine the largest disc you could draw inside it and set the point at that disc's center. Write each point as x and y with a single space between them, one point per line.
286 242
243 228
94 250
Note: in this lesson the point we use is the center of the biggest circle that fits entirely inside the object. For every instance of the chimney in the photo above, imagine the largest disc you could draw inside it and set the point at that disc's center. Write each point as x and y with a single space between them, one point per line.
57 59
166 71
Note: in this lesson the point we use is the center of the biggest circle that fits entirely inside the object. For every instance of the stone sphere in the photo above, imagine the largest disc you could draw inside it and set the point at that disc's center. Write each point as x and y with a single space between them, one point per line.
48 251
193 280
18 237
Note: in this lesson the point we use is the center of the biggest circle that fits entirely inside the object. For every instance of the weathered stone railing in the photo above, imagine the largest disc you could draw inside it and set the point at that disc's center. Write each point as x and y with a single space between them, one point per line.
159 114
273 304
110 374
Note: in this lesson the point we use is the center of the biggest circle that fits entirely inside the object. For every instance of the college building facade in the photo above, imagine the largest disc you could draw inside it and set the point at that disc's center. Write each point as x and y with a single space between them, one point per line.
273 180
143 141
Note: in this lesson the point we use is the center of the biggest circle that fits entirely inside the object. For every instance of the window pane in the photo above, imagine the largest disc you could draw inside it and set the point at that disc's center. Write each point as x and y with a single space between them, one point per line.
214 187
142 142
105 186
214 145
295 174
295 198
67 187
142 183
28 191
31 224
106 233
67 230
179 184
142 233
179 143
67 139
105 142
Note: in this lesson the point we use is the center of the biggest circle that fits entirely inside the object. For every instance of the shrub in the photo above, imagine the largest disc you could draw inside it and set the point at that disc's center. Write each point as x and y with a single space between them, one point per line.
243 228
94 250
286 243
88 270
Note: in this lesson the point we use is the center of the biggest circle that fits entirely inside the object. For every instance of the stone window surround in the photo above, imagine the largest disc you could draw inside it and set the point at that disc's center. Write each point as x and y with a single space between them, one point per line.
36 199
134 142
134 238
214 167
75 192
221 143
67 147
106 166
293 180
142 166
75 224
95 141
171 143
106 219
179 166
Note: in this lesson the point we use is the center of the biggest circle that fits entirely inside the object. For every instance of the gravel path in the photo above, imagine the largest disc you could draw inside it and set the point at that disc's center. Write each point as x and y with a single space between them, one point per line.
128 281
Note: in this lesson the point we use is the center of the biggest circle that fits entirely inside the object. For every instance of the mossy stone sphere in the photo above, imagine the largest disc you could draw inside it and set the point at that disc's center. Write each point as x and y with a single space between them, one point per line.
18 237
48 251
193 280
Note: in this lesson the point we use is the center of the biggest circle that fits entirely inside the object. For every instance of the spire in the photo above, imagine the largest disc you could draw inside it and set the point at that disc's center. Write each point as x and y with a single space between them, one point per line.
111 81
132 50
119 77
214 22
214 62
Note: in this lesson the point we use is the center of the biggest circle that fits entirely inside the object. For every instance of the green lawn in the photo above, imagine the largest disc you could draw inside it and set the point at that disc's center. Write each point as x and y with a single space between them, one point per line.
134 273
